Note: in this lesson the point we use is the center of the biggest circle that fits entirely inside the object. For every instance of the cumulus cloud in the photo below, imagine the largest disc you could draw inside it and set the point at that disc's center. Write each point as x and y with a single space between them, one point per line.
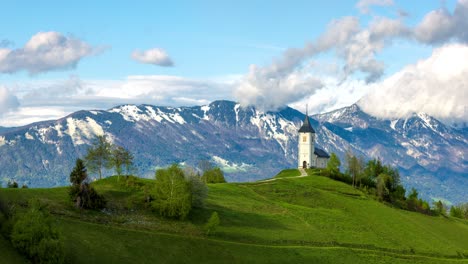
440 25
45 51
364 5
356 46
285 81
8 101
267 91
436 86
154 56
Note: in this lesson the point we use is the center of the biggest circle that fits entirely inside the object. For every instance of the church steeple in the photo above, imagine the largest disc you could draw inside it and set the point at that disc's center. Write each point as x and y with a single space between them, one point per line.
306 148
306 127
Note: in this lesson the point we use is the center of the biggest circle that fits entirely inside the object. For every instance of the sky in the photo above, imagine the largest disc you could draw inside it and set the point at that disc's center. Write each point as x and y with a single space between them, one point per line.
392 58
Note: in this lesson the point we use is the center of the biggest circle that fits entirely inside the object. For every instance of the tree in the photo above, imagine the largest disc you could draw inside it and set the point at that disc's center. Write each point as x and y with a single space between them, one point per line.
81 192
172 197
212 224
215 175
121 157
78 174
12 184
198 188
440 208
355 166
34 235
333 165
464 208
98 156
204 165
383 191
456 211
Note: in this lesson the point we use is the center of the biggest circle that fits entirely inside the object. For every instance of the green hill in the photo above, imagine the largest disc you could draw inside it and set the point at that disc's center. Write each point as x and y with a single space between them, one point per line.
306 220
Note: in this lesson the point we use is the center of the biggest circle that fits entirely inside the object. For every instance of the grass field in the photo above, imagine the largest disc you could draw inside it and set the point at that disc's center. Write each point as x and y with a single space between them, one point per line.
306 220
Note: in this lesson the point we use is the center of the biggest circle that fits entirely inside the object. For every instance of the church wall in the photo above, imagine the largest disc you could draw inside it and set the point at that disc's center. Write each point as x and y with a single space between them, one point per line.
306 149
322 162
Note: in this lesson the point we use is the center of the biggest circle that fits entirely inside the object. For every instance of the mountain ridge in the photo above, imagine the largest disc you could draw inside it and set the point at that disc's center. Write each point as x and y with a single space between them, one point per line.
247 143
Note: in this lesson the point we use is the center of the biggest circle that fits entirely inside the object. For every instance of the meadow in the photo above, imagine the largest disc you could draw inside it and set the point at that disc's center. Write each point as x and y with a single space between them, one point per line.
306 220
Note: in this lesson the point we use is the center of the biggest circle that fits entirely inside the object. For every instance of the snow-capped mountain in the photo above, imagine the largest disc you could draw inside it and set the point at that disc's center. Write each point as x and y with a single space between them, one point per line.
247 143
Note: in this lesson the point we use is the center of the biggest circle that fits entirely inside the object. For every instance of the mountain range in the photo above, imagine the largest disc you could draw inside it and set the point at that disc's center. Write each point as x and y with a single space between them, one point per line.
247 143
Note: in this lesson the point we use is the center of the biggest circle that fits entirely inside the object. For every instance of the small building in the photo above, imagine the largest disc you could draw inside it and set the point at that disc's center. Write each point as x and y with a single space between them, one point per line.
308 155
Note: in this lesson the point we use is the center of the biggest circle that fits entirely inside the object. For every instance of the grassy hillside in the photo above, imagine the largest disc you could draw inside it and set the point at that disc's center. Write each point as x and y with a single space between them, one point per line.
310 219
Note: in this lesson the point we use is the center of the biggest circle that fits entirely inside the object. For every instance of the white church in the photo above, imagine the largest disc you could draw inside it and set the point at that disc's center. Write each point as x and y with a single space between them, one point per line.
308 155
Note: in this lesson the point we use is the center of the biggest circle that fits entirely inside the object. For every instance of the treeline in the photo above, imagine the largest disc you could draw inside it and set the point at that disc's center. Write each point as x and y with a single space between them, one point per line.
383 182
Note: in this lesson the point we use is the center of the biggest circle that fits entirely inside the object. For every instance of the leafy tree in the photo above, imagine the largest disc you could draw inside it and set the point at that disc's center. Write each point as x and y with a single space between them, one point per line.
98 156
172 196
198 188
34 235
121 157
333 165
205 165
212 224
464 208
215 175
383 182
413 194
456 211
355 167
12 184
440 208
81 192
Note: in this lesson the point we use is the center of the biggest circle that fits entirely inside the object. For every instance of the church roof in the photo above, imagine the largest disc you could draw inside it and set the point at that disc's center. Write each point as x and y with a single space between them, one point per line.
321 153
306 127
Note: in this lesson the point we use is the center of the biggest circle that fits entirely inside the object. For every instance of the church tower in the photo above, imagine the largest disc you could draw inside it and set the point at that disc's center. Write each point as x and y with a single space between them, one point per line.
306 158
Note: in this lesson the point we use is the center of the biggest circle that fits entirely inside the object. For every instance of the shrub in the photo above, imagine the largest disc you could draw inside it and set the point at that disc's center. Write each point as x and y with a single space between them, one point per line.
34 236
215 175
198 189
212 224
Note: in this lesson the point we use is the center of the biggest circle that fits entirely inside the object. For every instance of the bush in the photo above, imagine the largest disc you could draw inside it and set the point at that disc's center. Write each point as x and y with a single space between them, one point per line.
456 211
215 175
198 189
34 236
172 193
212 224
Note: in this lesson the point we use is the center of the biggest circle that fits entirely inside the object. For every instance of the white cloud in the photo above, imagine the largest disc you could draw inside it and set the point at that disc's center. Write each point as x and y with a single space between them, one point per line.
285 81
437 86
334 95
8 101
154 56
364 5
45 51
53 99
440 25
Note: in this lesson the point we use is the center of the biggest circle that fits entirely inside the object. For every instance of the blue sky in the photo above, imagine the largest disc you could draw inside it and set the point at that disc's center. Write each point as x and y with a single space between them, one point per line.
211 46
